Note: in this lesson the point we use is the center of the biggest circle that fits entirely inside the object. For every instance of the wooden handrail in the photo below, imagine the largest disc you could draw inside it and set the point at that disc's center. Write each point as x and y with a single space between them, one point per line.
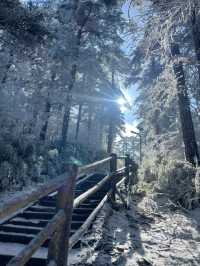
83 197
58 227
80 232
85 168
76 236
26 198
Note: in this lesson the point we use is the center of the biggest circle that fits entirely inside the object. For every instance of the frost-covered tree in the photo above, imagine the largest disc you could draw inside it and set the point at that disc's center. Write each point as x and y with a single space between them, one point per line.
167 25
56 85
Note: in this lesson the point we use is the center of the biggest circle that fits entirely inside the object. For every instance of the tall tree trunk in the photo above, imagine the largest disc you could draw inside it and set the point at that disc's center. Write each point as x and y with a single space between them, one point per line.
33 121
100 131
65 123
44 128
76 51
7 67
79 112
35 111
78 121
47 112
110 137
111 123
196 38
189 138
196 35
89 124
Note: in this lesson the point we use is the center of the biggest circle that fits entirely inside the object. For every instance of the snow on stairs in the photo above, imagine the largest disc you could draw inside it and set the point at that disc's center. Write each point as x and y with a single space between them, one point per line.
19 230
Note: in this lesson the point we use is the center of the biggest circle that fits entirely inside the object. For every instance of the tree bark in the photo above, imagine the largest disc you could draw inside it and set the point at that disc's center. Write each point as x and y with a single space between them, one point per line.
196 36
44 128
89 125
110 137
65 124
111 123
47 113
7 67
189 138
66 117
78 121
196 39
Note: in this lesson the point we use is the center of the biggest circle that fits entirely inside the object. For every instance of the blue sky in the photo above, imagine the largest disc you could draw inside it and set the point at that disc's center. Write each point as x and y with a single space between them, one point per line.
131 92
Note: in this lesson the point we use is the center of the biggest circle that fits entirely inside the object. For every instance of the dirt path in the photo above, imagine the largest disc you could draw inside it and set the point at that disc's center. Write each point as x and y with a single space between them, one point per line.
150 233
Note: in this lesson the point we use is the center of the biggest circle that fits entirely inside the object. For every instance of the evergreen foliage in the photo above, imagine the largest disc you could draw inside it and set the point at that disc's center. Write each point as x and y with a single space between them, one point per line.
55 57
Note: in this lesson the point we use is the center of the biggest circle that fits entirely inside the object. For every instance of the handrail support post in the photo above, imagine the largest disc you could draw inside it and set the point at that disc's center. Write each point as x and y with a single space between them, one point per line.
59 245
113 169
127 180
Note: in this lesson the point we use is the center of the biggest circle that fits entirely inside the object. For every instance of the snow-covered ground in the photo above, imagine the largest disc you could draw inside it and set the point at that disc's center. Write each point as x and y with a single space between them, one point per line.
153 232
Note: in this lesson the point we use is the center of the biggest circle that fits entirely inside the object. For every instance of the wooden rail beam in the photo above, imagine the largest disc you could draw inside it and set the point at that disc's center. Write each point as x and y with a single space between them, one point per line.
80 232
113 169
83 169
80 199
96 188
26 198
84 227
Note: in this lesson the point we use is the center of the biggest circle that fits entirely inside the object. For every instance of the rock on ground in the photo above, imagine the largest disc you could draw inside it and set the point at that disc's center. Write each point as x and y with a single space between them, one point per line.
153 232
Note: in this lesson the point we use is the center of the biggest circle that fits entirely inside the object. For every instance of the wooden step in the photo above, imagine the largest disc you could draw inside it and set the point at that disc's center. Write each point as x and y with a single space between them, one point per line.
4 259
37 223
85 211
77 217
9 250
76 224
39 208
10 237
20 229
46 202
28 222
89 205
36 215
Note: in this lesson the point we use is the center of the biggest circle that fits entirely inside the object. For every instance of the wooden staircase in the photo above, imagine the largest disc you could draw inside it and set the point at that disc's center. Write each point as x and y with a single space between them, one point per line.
19 230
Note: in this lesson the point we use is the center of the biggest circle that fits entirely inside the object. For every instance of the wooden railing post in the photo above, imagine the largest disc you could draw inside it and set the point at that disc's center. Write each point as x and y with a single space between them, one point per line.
134 169
59 244
113 169
127 170
127 180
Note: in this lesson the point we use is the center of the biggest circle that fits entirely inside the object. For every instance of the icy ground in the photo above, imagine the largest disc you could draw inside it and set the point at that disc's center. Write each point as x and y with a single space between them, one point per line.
153 232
